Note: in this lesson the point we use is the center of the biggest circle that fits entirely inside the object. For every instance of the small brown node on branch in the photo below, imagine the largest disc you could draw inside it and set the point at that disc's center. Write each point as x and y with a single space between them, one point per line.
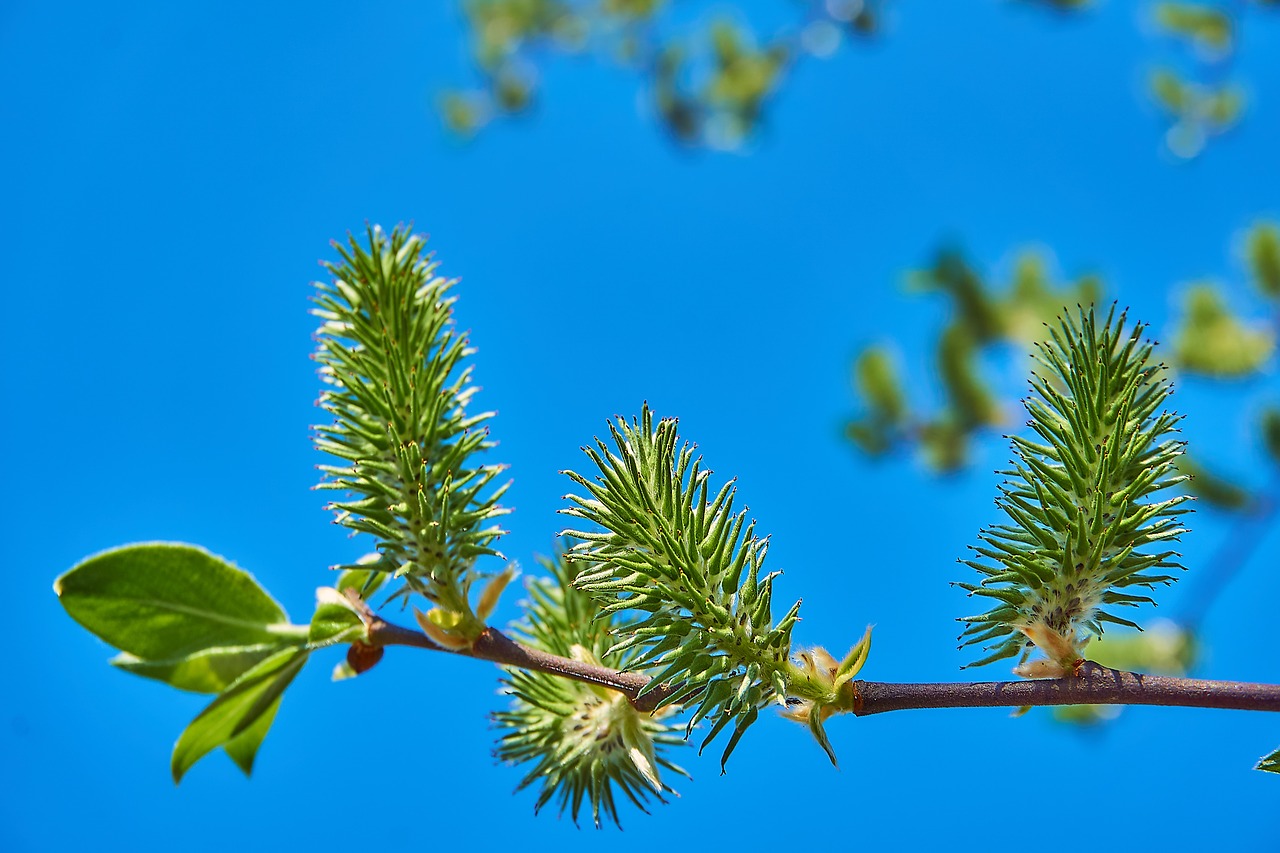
362 657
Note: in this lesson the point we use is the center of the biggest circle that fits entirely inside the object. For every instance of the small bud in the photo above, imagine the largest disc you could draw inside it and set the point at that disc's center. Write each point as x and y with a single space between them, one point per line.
362 657
1041 668
439 635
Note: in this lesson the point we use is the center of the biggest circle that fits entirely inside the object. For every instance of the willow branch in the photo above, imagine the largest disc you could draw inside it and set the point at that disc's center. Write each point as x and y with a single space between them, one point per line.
494 646
1094 684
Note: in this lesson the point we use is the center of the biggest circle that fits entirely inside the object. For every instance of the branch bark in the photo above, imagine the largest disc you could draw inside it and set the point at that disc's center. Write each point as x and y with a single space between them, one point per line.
494 646
1093 684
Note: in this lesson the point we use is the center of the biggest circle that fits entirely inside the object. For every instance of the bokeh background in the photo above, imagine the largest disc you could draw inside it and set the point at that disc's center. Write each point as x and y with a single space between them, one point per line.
174 171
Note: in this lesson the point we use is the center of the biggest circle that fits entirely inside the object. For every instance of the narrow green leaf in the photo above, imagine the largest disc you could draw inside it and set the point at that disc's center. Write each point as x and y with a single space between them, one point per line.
1208 27
243 748
876 379
364 581
164 601
235 713
205 671
1262 251
1169 91
819 733
1269 763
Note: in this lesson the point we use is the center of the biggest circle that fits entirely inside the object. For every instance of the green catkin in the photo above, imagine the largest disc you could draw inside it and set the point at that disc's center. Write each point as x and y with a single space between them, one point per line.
1083 522
397 386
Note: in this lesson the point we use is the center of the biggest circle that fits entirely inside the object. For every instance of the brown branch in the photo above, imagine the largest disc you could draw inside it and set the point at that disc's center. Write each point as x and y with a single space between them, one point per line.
495 646
1093 684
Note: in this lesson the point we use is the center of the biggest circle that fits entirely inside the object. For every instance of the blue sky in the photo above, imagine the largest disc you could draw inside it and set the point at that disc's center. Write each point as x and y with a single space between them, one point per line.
174 171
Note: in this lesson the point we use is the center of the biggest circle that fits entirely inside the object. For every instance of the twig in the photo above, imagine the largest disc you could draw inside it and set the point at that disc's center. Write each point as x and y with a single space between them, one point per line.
1094 684
495 646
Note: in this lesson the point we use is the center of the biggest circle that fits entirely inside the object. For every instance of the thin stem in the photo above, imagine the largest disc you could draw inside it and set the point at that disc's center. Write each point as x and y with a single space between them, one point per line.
494 646
1093 684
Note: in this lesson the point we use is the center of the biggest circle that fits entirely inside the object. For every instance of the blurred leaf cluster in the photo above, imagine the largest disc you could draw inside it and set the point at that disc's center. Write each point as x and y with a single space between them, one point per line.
1192 87
1209 340
1213 341
707 78
715 96
983 318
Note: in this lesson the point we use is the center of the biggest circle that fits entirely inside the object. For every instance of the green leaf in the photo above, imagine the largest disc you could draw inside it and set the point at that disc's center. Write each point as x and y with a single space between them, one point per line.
975 311
1209 28
364 581
1262 251
1212 488
945 443
335 621
1271 432
1213 341
876 380
167 601
239 718
1269 763
1164 648
1170 92
205 671
243 748
872 437
968 395
819 733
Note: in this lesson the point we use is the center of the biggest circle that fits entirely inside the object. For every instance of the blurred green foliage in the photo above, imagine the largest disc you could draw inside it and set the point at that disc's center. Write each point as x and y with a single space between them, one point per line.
708 82
1191 86
1213 341
982 318
1209 340
1209 27
1262 253
709 74
1271 432
1197 111
1214 489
